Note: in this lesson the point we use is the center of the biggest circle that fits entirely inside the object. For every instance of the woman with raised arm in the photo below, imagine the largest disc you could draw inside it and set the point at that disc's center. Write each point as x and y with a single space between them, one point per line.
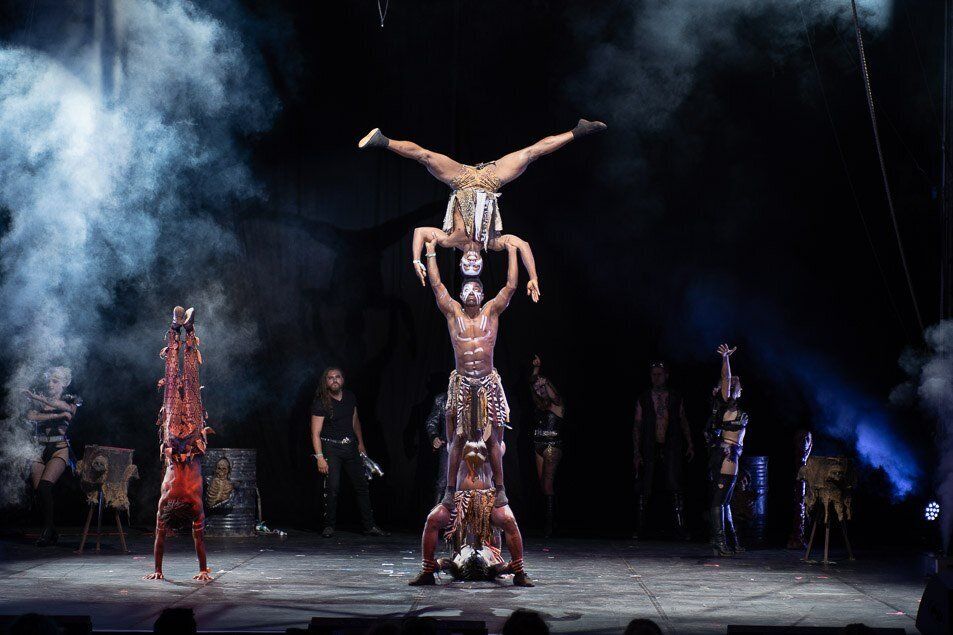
473 220
725 434
548 435
51 412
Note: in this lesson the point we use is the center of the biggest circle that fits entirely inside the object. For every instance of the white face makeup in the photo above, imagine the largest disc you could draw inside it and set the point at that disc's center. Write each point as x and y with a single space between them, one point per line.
472 294
471 264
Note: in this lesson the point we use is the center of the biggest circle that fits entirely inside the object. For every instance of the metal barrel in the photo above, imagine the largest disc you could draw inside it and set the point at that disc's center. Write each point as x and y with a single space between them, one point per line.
750 501
230 491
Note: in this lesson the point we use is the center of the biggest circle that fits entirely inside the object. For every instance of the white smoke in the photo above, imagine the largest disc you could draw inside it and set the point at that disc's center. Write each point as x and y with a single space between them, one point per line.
931 381
653 52
118 150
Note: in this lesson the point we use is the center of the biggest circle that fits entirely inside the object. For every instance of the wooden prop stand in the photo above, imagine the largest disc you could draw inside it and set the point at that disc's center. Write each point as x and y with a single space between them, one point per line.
99 526
827 537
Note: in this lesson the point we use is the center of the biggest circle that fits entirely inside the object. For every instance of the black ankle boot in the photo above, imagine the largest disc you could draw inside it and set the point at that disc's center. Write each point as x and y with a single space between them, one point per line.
44 494
717 524
585 127
374 139
731 536
48 538
678 510
641 506
550 511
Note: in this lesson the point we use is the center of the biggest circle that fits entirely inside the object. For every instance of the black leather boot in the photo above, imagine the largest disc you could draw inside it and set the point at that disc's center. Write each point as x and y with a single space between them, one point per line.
731 537
640 517
717 527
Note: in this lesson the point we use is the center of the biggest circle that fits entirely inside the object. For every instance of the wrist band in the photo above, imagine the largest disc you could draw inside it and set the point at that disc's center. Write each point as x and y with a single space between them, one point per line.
417 261
319 455
433 255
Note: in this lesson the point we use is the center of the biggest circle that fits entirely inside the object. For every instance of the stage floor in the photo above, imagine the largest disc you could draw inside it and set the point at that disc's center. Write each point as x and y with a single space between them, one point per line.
593 586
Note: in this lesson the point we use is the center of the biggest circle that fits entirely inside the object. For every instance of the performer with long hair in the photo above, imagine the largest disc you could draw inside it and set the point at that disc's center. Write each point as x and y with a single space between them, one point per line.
51 412
338 444
725 434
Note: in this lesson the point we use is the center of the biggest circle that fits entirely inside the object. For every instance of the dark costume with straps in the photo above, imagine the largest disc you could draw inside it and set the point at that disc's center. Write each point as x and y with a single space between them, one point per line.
548 431
436 427
724 539
49 439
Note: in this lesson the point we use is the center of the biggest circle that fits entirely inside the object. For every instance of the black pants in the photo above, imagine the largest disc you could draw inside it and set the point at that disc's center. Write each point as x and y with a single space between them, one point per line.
666 460
347 458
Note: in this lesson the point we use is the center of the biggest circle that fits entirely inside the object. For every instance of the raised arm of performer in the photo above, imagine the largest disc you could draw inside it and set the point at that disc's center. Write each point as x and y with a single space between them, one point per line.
544 383
725 353
502 300
447 305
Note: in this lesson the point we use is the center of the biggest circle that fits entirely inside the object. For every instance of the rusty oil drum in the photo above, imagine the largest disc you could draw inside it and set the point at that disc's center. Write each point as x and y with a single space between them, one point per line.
230 491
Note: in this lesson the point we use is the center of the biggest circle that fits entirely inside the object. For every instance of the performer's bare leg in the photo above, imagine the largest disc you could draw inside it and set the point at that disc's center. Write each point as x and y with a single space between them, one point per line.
495 449
456 239
442 167
454 459
439 517
503 518
514 164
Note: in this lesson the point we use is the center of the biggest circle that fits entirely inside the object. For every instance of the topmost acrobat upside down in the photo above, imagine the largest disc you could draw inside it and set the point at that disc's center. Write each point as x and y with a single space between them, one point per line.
473 220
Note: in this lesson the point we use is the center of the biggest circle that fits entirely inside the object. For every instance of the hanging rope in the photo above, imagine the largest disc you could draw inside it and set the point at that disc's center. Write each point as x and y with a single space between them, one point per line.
880 155
850 181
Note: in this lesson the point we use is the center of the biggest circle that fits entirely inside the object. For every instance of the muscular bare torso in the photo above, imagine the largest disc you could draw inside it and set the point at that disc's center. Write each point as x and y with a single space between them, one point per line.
473 340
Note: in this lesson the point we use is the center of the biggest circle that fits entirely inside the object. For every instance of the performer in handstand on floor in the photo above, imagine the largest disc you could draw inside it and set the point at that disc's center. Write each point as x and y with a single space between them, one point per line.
476 405
183 438
473 220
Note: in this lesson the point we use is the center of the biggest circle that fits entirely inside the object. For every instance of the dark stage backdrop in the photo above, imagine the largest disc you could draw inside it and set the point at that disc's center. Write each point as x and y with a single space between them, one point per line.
724 216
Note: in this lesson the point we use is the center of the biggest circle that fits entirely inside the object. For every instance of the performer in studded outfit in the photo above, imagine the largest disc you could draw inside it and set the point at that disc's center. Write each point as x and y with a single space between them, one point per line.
548 433
51 413
725 434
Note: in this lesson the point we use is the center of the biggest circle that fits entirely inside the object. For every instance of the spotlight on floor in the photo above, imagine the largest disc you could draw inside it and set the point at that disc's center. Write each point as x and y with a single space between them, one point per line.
931 511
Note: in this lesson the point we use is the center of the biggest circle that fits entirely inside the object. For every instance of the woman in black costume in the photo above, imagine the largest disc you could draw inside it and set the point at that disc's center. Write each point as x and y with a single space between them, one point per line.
725 434
548 435
51 412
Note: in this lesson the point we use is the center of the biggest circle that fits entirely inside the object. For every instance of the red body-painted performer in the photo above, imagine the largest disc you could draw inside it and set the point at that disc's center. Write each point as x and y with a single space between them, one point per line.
182 434
476 411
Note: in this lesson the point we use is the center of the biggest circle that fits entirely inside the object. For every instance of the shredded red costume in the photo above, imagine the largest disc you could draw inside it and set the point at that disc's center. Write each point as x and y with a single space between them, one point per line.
182 436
